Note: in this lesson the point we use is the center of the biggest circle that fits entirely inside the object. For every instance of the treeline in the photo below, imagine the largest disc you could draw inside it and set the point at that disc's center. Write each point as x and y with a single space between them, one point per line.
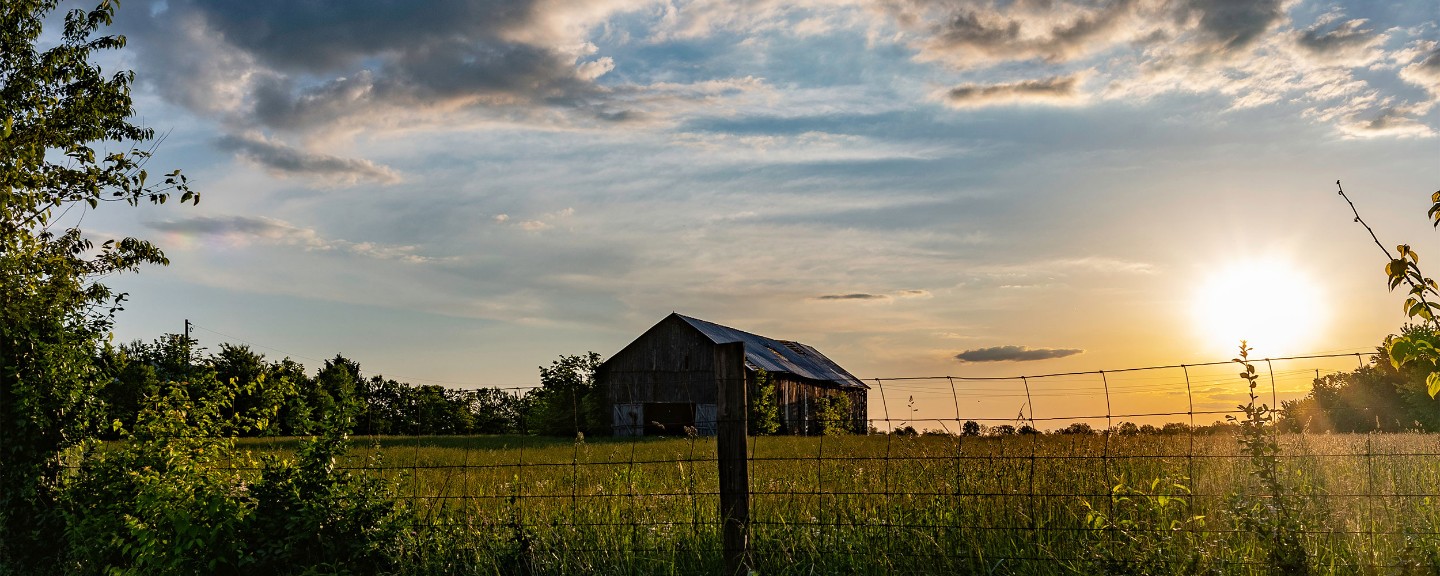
976 429
279 398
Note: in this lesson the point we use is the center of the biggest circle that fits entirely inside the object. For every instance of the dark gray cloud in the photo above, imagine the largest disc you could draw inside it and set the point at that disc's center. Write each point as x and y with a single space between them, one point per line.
1232 25
284 160
854 296
971 34
1014 354
298 66
1346 43
1053 90
1347 35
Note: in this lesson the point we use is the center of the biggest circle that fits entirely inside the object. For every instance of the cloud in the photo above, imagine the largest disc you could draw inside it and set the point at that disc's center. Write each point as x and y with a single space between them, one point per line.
1424 69
1389 121
305 66
1249 52
867 296
1055 33
1055 90
284 160
244 230
1348 43
1230 26
1014 354
853 296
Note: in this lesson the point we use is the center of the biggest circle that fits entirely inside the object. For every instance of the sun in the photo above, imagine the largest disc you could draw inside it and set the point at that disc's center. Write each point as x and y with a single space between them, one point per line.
1269 303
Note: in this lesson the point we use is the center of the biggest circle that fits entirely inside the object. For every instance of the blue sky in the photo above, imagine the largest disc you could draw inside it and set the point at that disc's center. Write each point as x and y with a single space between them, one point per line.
458 191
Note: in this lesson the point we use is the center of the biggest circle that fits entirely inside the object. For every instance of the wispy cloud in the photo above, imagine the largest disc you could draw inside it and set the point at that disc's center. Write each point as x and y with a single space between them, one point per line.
867 296
1015 354
283 160
243 230
1056 90
853 296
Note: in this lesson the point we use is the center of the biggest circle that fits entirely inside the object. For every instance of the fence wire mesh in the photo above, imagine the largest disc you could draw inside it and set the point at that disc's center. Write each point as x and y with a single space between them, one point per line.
1115 471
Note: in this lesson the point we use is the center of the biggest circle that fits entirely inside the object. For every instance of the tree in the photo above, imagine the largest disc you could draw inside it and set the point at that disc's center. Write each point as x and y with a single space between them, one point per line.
764 411
56 108
568 399
970 428
333 394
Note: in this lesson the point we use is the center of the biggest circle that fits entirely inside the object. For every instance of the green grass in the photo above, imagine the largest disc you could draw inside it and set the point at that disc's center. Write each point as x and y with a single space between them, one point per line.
886 504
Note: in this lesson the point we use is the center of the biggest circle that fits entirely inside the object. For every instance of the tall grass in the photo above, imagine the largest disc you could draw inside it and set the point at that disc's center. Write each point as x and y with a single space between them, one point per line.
1039 504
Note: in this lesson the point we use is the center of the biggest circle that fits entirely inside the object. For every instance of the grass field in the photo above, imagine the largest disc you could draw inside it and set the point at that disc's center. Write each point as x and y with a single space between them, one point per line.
888 504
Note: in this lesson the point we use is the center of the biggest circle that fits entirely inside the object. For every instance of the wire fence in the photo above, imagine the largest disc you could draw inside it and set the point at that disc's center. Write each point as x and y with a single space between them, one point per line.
1114 471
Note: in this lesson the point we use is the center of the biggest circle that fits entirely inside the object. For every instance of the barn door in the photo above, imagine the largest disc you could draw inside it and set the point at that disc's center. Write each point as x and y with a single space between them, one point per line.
705 417
628 419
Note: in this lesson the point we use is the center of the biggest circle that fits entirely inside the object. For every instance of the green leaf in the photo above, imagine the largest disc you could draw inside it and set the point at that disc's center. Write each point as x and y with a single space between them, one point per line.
1432 384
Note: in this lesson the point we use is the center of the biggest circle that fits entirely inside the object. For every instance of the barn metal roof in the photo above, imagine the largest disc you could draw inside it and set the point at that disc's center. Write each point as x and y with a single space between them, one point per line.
778 356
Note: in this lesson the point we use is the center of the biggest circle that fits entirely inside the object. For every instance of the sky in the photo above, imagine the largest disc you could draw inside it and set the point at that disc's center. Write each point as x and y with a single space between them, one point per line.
458 191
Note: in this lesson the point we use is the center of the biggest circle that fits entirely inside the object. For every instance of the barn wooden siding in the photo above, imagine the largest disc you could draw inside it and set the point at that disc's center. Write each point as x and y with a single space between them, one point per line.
796 401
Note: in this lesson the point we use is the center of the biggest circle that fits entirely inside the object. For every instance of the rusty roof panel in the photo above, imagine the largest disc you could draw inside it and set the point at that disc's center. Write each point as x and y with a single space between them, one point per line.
778 356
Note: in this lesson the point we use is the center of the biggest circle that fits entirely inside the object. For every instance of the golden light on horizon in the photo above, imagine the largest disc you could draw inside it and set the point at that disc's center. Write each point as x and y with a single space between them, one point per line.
1269 303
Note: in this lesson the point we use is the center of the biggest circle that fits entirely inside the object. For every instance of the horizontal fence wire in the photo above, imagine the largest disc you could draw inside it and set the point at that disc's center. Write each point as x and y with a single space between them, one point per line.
1131 470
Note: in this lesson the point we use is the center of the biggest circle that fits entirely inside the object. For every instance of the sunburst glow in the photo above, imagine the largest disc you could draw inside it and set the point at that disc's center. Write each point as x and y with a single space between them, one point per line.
1269 303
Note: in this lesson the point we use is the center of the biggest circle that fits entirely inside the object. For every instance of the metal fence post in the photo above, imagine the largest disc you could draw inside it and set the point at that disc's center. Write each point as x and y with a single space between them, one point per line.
730 451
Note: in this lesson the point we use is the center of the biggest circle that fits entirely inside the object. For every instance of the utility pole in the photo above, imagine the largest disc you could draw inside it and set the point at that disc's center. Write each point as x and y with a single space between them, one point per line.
187 344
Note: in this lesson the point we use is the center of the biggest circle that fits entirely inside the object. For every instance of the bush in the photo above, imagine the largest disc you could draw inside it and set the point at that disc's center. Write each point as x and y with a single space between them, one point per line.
175 498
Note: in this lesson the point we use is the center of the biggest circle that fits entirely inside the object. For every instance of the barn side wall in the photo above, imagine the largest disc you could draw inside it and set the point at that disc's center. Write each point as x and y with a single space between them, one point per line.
797 405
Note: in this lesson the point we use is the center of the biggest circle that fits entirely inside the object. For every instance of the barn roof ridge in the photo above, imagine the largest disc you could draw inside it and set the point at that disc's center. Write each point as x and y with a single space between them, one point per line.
777 356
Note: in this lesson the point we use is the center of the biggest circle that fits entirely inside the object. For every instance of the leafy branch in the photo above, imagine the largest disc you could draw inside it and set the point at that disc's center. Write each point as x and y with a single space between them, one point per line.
1420 347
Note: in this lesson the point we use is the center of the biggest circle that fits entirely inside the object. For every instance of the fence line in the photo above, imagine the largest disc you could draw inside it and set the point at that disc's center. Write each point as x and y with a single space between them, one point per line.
946 485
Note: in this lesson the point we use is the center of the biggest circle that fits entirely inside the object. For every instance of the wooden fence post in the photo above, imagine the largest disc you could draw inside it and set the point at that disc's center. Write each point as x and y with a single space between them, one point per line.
731 416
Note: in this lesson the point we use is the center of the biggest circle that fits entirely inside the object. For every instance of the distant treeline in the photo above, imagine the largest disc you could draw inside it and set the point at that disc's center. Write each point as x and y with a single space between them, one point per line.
279 398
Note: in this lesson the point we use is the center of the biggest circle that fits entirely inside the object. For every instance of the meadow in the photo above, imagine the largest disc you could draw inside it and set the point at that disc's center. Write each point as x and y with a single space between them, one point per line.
1025 504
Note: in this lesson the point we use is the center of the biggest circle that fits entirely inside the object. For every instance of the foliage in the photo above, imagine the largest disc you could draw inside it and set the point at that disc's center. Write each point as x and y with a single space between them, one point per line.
970 428
764 417
569 400
835 415
175 498
311 516
57 110
1271 514
1146 529
167 501
1418 347
1373 398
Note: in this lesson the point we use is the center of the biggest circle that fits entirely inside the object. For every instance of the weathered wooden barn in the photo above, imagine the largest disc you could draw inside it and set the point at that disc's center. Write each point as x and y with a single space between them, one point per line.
665 380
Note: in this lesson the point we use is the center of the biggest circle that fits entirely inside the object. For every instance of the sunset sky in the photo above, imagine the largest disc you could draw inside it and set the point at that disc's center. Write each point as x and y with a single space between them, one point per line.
459 191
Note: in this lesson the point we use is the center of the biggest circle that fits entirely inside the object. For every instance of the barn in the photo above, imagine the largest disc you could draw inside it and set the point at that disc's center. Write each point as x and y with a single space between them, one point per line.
664 381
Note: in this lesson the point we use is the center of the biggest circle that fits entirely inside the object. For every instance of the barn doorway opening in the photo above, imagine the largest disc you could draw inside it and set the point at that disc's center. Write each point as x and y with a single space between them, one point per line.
668 418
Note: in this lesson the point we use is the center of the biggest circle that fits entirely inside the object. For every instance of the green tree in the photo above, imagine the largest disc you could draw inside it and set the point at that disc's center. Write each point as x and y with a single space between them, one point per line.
58 112
764 408
333 395
569 400
835 415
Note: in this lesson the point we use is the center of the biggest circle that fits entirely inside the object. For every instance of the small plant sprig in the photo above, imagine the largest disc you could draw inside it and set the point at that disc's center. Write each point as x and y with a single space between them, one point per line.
1151 529
1419 347
1272 516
